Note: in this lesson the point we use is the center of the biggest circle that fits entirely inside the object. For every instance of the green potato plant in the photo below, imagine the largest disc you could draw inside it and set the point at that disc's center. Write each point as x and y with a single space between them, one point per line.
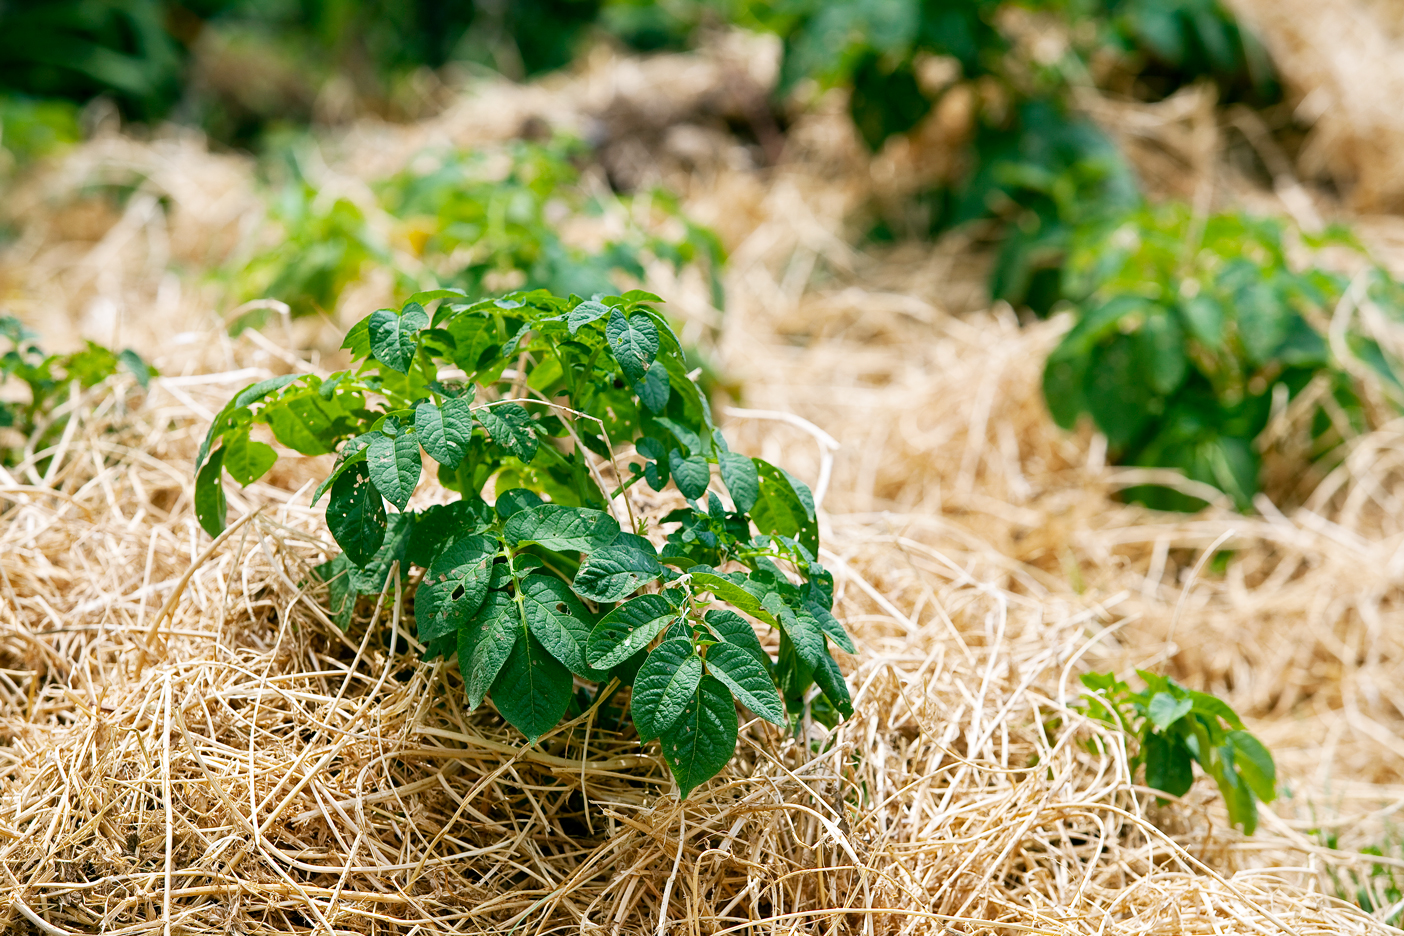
1176 728
1178 351
556 406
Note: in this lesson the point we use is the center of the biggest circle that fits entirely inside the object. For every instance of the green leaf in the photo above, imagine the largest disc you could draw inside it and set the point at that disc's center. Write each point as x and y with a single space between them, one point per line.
395 464
245 397
704 738
558 619
210 504
437 527
1205 318
664 686
516 499
306 423
1161 343
1168 764
533 689
1212 705
585 313
509 425
488 638
830 679
806 634
1255 765
560 528
628 629
617 570
454 587
737 631
1165 709
394 337
741 478
745 677
831 626
779 509
247 460
690 473
356 514
633 342
653 390
444 431
352 452
706 579
139 369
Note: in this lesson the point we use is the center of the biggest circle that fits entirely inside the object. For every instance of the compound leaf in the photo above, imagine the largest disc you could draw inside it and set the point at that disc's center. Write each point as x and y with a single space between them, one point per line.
743 675
356 514
704 738
666 682
628 629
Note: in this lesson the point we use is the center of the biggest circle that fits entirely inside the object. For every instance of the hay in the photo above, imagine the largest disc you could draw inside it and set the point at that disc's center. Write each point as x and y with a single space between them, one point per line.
189 745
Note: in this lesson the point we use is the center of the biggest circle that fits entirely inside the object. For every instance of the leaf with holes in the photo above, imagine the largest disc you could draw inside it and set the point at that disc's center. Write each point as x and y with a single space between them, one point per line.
444 431
247 460
454 586
562 624
393 457
634 343
394 337
509 425
356 515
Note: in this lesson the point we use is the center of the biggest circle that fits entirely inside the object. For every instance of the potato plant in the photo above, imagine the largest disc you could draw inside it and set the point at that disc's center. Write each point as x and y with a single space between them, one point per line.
554 407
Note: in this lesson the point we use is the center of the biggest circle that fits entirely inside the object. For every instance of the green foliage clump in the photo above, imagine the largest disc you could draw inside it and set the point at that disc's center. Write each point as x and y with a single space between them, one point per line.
533 400
1175 728
1184 336
474 221
31 128
47 379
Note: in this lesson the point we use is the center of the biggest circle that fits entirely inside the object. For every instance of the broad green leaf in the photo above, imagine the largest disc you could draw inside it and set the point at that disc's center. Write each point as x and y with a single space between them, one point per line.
634 343
210 504
1255 765
509 425
395 336
584 314
665 684
490 636
306 423
1205 318
1164 709
247 460
628 629
613 572
690 473
830 679
807 635
245 397
653 390
533 689
517 499
1212 705
356 514
394 465
741 479
560 528
352 452
743 675
737 631
454 587
706 579
558 619
444 431
779 509
704 738
685 436
1168 764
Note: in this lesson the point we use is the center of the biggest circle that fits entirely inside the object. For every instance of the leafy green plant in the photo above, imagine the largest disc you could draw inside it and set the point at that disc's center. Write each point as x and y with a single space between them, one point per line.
47 379
471 221
554 407
1175 728
1181 344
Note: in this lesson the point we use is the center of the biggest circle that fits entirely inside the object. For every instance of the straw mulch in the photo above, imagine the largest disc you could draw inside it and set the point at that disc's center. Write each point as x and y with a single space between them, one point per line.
190 746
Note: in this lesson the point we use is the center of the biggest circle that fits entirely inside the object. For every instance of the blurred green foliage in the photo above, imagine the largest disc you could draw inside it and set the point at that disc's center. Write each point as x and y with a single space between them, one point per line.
1187 330
34 127
477 221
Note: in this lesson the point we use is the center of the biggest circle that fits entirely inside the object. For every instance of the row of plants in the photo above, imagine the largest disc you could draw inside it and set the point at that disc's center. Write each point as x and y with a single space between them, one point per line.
475 221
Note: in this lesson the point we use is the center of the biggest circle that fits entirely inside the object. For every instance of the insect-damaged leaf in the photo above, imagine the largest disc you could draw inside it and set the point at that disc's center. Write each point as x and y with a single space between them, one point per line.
627 629
395 336
509 425
634 343
484 644
245 459
558 619
664 685
356 514
704 738
454 587
444 431
394 464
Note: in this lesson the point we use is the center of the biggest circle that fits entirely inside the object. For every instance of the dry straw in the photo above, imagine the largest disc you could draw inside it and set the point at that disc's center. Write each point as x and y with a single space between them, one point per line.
190 746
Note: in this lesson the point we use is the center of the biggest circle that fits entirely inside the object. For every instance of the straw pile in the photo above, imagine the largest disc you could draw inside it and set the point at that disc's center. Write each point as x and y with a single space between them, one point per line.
189 745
